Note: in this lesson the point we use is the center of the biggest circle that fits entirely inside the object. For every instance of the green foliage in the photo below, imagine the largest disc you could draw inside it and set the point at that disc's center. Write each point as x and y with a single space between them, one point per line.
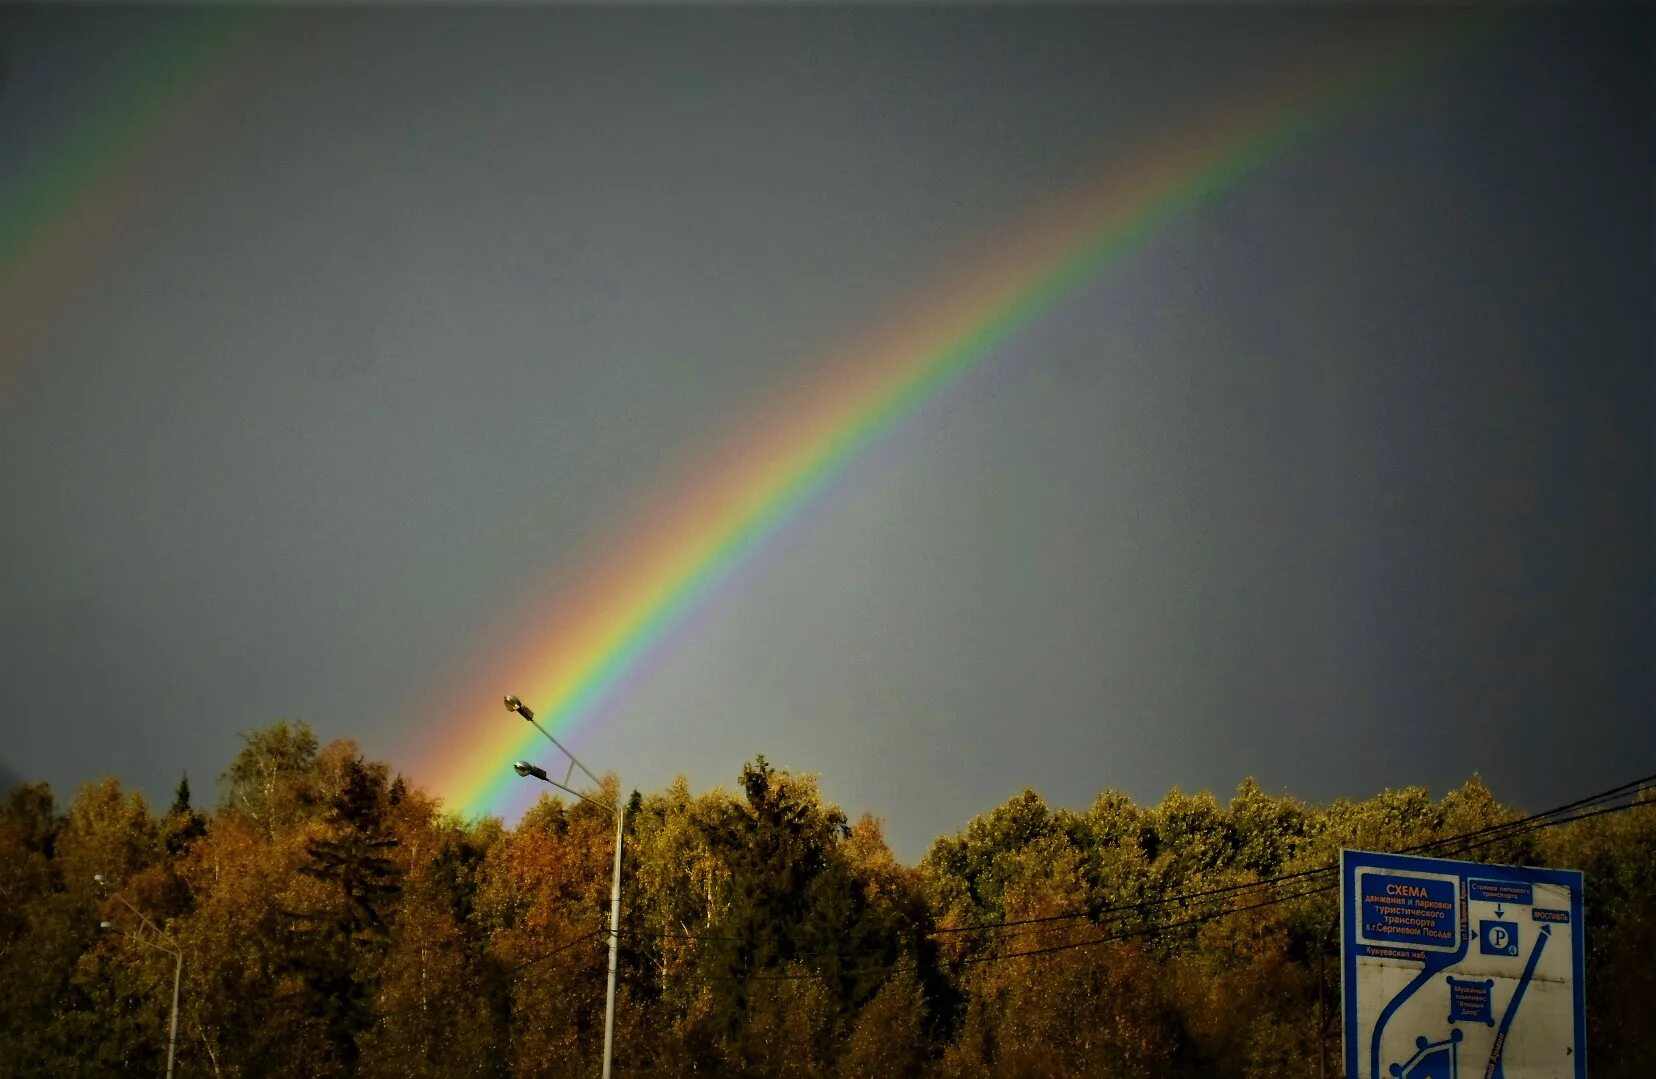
273 780
334 921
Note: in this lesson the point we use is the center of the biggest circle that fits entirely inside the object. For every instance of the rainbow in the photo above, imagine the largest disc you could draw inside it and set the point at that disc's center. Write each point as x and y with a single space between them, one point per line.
61 211
667 562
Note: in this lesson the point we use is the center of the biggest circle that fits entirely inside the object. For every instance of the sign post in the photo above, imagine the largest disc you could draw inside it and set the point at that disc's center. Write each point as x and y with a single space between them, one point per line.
1458 970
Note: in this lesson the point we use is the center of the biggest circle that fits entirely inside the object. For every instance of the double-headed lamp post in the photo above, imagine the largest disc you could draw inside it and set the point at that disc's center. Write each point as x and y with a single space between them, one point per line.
619 812
172 948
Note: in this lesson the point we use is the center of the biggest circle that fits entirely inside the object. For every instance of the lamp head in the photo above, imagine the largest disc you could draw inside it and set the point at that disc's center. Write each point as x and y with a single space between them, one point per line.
515 705
525 769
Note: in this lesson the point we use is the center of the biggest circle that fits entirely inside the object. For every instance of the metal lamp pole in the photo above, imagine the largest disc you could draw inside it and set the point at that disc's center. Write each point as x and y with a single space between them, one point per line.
174 950
619 811
615 942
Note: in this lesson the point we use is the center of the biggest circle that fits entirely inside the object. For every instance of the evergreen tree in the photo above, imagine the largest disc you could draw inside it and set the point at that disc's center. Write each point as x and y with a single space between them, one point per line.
182 824
337 947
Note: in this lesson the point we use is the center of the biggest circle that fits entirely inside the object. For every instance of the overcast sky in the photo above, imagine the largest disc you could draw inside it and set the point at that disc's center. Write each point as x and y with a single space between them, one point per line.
1342 480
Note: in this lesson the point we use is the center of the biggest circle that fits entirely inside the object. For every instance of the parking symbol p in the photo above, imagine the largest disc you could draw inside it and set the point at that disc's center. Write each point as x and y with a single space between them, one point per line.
1497 938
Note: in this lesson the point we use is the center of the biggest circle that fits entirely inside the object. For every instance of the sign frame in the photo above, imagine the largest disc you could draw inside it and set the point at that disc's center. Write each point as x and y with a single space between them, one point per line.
1411 908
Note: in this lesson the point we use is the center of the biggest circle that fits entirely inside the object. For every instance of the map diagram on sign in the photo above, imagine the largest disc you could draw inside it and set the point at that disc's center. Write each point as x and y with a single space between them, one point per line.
1456 969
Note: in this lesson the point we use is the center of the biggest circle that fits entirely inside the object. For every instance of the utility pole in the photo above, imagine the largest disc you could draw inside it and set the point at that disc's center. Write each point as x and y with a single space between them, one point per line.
619 811
172 1032
615 942
172 948
1323 1017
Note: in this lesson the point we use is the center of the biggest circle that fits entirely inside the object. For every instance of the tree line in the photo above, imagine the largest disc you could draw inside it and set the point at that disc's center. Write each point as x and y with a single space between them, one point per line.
334 920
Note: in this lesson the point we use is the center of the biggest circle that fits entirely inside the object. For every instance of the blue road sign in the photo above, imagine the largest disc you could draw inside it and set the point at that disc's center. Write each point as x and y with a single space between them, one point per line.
1455 970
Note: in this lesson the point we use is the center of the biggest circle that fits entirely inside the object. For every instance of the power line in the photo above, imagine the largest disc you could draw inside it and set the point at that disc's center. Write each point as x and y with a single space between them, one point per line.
812 975
1571 812
1584 808
509 972
1214 915
1148 930
1636 804
1247 886
1634 787
1482 837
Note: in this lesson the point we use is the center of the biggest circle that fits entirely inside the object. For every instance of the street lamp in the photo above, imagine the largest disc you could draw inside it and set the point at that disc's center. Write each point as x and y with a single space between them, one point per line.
619 811
171 947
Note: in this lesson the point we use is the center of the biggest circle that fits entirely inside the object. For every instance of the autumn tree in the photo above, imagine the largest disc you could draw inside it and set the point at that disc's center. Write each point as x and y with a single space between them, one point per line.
1617 856
36 954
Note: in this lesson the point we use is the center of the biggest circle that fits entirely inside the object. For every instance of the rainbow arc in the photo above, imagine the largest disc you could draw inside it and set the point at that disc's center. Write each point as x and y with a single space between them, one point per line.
664 565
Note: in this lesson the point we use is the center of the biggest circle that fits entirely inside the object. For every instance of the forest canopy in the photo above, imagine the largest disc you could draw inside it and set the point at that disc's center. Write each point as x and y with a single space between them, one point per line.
334 920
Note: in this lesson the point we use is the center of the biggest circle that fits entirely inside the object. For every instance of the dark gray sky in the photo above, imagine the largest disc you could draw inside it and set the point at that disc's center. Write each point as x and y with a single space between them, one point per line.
1343 480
